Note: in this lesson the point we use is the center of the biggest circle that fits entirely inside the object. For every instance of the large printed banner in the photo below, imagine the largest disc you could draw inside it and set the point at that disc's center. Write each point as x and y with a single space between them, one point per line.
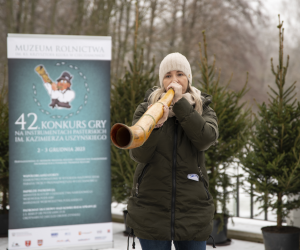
59 120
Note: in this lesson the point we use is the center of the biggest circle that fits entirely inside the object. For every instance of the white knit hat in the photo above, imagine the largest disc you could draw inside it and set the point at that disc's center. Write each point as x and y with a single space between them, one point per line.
175 61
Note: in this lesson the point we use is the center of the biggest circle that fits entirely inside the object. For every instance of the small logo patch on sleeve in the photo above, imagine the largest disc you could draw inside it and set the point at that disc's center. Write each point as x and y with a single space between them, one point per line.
193 177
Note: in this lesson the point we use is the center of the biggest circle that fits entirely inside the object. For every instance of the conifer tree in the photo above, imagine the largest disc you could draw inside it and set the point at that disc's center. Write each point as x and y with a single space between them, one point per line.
126 95
233 119
273 157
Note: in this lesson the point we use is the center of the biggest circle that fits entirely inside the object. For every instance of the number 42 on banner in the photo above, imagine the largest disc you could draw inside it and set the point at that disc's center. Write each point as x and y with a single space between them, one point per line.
21 121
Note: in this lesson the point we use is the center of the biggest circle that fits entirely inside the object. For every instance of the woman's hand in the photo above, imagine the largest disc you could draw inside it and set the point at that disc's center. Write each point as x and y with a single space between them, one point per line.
164 117
177 89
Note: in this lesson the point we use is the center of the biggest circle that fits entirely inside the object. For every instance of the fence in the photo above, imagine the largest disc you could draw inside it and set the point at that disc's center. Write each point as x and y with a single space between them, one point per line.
242 201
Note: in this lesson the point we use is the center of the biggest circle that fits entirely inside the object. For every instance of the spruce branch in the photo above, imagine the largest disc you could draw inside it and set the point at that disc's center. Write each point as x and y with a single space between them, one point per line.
272 68
273 90
289 90
291 98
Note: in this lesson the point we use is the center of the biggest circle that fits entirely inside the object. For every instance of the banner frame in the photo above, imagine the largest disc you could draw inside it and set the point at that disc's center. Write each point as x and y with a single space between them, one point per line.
92 245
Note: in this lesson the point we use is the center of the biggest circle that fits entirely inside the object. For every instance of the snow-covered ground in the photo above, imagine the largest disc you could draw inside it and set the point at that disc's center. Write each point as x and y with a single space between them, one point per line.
239 224
120 242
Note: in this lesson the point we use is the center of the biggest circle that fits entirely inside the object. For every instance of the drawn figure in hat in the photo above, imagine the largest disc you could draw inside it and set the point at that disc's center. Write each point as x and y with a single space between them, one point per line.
60 92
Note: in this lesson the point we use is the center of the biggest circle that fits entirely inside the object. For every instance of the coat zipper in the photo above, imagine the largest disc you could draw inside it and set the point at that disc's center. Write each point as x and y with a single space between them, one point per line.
140 180
174 180
202 178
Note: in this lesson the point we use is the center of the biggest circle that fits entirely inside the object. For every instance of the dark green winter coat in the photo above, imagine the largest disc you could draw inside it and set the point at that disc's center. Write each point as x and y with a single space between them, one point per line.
166 204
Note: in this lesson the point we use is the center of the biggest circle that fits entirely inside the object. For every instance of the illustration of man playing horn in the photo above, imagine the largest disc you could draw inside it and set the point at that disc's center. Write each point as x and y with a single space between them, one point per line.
60 92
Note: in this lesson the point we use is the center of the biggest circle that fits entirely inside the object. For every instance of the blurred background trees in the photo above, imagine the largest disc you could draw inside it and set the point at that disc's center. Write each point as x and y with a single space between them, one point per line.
234 124
240 34
235 28
126 94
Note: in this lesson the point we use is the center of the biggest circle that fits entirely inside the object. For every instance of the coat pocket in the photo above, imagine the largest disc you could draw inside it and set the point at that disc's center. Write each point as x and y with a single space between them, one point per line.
205 184
140 179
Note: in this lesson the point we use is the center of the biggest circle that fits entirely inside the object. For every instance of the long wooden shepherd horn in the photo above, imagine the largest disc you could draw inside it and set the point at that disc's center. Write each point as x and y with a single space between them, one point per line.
125 137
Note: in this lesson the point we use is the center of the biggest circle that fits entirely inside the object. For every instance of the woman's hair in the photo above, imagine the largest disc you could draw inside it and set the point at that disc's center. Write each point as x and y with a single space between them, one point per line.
156 95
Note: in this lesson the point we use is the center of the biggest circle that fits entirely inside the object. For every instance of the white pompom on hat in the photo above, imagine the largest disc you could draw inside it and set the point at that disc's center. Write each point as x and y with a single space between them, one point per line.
175 61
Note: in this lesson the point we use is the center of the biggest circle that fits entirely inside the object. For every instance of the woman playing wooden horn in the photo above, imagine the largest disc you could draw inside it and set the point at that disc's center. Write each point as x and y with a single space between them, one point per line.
170 199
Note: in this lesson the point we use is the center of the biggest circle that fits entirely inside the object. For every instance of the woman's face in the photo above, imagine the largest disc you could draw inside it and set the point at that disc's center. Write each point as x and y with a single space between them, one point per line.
176 76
